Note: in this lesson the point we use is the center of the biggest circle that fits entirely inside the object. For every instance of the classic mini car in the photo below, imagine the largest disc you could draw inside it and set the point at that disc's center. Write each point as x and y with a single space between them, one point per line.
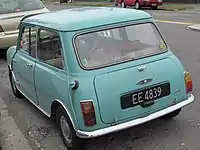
140 3
106 71
11 12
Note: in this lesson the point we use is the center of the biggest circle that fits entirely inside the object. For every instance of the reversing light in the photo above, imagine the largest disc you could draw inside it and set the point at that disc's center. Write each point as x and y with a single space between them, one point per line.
188 82
88 113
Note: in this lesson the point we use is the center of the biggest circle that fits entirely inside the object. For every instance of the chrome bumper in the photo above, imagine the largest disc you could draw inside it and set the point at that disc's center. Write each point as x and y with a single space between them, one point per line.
101 132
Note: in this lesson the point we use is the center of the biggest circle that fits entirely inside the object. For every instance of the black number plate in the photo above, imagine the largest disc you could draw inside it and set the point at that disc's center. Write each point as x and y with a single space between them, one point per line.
140 97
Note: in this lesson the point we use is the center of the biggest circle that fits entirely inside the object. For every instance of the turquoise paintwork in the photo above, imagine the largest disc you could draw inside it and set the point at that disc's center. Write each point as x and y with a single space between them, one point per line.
43 84
70 20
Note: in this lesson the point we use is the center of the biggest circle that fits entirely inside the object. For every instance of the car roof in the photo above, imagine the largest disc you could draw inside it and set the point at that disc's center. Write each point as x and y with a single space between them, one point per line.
85 17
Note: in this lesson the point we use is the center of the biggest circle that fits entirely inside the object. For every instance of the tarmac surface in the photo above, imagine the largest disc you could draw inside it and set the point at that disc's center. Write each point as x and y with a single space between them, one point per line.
24 127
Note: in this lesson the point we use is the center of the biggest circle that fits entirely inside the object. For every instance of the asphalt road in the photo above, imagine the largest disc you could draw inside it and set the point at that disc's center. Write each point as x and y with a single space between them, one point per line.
183 132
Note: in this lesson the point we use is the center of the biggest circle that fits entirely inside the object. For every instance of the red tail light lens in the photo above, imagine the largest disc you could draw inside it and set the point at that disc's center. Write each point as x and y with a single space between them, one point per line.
88 113
17 10
188 82
1 29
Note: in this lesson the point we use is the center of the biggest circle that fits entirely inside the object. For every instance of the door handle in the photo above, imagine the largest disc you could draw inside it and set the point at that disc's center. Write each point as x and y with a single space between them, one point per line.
29 65
141 68
14 60
74 85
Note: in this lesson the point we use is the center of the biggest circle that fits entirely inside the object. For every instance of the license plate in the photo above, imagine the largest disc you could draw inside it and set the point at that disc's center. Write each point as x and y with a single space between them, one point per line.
139 97
154 4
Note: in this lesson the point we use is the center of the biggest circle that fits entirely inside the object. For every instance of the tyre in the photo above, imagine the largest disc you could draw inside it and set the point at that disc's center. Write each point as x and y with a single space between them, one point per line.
63 1
15 91
123 5
68 134
137 5
173 114
116 4
154 7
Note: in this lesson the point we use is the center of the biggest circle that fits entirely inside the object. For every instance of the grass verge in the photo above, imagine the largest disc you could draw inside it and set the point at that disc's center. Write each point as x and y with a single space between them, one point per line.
176 7
49 1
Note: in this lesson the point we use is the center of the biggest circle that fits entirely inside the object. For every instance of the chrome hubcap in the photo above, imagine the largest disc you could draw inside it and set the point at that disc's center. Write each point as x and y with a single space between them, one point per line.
123 4
65 129
137 5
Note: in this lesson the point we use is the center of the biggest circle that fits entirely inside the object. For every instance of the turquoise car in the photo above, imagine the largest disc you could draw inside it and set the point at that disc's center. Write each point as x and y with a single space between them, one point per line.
100 73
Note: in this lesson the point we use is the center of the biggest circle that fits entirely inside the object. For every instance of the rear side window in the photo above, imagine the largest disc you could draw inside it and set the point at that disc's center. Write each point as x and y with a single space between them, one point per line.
103 48
12 6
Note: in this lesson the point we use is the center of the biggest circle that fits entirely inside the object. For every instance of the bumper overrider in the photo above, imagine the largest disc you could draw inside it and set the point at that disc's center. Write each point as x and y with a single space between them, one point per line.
122 126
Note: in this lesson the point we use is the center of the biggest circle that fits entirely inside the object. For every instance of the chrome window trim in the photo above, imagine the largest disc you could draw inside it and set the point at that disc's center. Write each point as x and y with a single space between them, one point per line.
116 25
87 100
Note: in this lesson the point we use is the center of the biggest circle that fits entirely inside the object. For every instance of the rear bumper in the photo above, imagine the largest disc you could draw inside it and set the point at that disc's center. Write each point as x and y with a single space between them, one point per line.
101 132
148 3
8 40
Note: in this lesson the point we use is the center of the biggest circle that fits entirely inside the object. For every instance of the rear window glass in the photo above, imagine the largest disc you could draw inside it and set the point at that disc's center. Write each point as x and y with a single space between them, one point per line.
119 44
11 6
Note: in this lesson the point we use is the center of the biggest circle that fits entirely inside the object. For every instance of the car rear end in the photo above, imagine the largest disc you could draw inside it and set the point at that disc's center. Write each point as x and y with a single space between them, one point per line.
134 76
11 12
151 3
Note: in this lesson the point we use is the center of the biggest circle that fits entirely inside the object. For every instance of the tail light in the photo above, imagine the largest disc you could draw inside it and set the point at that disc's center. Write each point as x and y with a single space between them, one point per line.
188 82
1 29
88 113
17 10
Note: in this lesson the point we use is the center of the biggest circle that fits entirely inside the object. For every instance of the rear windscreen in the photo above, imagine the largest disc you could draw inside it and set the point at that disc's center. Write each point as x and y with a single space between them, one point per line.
12 6
119 44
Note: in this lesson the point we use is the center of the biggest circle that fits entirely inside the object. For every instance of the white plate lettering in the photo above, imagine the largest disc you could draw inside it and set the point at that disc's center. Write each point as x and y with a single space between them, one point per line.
148 95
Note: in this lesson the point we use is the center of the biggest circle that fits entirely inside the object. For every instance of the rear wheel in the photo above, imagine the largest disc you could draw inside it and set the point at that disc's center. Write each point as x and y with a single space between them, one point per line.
68 134
63 1
123 5
15 91
173 114
116 3
137 5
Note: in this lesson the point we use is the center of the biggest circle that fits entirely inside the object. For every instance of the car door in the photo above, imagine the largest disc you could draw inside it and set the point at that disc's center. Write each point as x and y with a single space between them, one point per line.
24 62
11 12
51 78
129 2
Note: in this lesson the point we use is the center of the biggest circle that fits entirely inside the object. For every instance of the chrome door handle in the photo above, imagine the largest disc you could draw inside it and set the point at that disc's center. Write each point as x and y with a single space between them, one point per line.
14 60
141 68
29 65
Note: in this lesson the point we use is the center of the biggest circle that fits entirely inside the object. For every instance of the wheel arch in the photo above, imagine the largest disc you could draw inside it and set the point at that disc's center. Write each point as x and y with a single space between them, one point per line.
55 104
9 67
11 72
